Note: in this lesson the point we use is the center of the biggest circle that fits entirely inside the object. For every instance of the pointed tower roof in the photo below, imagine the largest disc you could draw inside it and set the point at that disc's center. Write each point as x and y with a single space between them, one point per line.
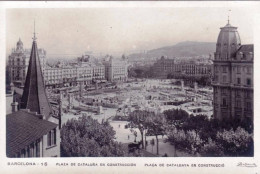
34 95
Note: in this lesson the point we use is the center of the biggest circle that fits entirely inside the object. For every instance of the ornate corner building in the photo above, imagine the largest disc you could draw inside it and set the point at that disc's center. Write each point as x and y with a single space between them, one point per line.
18 63
233 81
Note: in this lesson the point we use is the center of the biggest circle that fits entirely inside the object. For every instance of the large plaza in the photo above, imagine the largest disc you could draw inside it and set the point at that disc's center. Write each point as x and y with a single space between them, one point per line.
150 95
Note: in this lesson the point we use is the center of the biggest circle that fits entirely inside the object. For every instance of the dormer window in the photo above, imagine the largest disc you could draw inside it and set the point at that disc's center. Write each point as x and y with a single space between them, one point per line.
244 56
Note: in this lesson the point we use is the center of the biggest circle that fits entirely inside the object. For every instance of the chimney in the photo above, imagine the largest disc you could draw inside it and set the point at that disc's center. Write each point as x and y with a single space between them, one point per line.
12 87
14 106
42 116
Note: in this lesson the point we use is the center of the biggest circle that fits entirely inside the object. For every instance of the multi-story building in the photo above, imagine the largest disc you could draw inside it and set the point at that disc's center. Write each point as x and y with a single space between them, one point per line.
164 66
233 76
32 130
53 76
69 75
84 74
18 63
98 71
72 74
115 70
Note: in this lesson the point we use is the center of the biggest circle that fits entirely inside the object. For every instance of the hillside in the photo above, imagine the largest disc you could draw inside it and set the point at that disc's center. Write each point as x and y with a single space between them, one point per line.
182 49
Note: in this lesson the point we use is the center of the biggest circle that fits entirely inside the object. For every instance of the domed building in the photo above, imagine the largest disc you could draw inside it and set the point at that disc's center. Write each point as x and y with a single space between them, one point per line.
233 76
19 45
18 62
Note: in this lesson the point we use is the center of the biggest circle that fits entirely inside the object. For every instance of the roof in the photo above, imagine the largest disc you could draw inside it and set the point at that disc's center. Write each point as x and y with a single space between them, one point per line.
228 25
246 48
23 128
19 42
34 94
18 91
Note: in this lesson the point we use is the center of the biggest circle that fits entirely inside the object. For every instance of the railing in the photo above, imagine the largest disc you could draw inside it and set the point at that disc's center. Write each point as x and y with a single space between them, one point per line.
238 108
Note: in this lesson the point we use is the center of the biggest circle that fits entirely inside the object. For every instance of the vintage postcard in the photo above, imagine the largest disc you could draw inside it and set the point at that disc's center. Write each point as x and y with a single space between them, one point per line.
129 87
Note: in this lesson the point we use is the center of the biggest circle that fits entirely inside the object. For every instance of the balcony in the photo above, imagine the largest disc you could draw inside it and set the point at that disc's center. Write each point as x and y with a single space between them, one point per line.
247 110
238 108
248 113
224 106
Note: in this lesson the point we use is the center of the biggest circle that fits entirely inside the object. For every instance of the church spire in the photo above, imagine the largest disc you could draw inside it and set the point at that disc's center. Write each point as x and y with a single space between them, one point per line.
34 33
34 95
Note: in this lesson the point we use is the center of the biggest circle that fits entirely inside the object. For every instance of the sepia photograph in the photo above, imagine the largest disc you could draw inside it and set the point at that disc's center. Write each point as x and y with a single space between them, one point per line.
87 85
133 82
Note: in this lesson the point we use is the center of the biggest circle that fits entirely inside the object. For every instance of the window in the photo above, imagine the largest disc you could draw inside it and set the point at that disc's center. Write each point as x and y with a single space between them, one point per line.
38 148
224 69
224 102
248 82
224 79
216 78
248 70
23 153
31 151
238 103
238 81
51 138
248 105
54 136
27 151
216 69
248 94
237 93
238 70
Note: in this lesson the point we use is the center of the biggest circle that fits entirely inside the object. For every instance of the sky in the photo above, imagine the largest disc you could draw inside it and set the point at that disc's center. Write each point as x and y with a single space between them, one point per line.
71 32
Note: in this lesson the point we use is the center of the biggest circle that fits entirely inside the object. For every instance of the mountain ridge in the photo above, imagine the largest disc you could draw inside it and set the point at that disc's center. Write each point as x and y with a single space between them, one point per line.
181 49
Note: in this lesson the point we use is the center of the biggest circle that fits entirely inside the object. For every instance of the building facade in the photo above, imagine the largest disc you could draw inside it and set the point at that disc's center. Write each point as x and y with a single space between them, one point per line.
18 63
164 67
53 76
83 71
233 76
98 71
84 74
116 70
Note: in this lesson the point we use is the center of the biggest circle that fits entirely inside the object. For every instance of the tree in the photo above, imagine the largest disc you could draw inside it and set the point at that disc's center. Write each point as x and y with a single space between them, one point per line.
210 137
194 141
132 73
176 117
138 119
152 144
211 149
141 71
156 126
236 143
177 138
86 137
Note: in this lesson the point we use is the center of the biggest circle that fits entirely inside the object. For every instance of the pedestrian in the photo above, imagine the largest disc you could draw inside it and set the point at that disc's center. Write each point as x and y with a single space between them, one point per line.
128 137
